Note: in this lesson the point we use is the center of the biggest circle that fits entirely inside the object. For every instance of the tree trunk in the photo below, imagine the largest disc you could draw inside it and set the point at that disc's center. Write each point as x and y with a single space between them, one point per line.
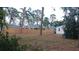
78 31
37 22
21 25
41 20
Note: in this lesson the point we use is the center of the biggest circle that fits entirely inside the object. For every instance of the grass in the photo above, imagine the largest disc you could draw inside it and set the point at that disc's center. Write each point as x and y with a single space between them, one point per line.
47 42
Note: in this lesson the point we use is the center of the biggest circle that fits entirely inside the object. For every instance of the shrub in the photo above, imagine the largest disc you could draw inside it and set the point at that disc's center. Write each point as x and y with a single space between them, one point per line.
9 43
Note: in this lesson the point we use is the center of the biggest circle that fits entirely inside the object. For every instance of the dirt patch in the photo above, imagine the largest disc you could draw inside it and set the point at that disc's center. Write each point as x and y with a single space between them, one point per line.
48 41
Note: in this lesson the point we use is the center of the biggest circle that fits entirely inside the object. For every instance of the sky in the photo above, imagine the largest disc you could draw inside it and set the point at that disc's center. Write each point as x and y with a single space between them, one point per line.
48 11
37 4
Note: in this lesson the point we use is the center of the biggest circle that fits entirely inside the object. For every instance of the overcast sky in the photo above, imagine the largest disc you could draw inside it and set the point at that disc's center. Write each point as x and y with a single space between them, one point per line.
49 10
37 4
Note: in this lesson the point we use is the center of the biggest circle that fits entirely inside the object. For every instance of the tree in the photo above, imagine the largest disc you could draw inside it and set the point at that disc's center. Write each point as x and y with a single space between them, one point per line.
46 22
25 15
2 19
70 22
57 23
37 15
12 13
52 17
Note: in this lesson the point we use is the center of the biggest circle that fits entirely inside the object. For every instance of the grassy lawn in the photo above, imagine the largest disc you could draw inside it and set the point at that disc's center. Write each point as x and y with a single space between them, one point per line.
47 42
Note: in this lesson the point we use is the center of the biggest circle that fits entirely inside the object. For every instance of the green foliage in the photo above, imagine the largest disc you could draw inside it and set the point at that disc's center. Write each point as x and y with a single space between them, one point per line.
37 15
57 23
71 22
26 14
2 20
9 43
1 13
52 17
46 22
12 13
1 17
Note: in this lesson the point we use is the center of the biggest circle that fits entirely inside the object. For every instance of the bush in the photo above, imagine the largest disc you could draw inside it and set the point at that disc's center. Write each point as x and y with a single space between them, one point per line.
71 34
9 43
